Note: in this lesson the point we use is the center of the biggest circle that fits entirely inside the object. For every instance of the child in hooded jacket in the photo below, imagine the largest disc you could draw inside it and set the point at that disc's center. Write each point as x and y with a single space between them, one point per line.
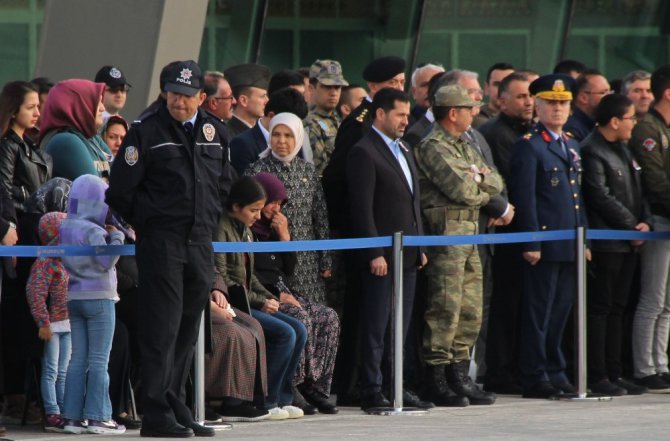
46 292
91 297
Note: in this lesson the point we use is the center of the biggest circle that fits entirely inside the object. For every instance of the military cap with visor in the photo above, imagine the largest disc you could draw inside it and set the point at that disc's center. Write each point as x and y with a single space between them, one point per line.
454 95
328 73
554 87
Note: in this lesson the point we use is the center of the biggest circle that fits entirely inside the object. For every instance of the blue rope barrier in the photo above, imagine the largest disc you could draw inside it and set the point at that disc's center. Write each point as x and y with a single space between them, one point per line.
342 244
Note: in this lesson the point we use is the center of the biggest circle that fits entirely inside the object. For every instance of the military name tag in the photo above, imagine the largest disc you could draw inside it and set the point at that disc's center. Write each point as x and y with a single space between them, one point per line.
554 181
664 142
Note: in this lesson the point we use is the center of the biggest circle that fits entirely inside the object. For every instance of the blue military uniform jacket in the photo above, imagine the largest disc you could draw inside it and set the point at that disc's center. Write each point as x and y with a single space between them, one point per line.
544 186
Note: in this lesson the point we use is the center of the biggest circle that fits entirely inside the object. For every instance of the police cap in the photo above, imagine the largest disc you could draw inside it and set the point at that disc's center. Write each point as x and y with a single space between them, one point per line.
557 87
328 73
111 76
383 69
248 75
185 78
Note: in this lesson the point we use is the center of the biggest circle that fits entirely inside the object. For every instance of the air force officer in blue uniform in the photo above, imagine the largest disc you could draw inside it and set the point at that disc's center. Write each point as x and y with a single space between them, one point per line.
544 186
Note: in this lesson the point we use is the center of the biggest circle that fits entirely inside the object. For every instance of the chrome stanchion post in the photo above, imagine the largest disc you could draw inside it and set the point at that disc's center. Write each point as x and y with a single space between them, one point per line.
397 322
199 380
398 340
580 322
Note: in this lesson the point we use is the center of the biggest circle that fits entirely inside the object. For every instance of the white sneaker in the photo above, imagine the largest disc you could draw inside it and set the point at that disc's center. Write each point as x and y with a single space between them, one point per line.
293 411
110 427
277 413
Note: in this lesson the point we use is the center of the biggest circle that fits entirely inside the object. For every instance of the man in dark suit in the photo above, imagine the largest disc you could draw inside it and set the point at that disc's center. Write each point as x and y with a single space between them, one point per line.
384 195
245 148
250 89
544 186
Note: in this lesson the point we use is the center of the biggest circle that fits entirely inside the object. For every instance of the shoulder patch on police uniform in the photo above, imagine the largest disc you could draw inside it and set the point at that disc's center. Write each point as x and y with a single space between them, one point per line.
131 155
209 131
649 144
361 117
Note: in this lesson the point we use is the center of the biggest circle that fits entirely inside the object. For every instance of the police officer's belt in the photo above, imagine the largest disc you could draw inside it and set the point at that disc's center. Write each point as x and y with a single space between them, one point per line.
463 215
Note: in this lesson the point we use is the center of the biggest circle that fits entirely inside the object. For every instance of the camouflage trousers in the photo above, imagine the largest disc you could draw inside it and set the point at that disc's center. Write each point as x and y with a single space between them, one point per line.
454 306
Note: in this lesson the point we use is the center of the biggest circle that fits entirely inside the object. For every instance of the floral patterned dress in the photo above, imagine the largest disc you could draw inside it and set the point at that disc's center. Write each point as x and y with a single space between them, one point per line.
308 220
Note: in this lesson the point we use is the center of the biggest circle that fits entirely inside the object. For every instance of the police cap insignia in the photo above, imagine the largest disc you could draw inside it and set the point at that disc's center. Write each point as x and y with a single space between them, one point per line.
209 131
131 155
649 144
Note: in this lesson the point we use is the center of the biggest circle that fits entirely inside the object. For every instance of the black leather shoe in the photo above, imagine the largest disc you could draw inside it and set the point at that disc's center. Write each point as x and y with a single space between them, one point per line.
438 391
128 421
374 399
566 387
175 431
321 402
200 430
543 389
507 388
410 399
460 382
300 401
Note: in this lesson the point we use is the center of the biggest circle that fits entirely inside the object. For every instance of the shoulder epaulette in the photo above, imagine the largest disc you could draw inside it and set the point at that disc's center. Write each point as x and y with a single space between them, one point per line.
569 134
361 117
528 135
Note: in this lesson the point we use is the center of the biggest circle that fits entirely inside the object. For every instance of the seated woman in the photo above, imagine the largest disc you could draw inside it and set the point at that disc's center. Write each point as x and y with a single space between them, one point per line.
235 370
285 336
315 372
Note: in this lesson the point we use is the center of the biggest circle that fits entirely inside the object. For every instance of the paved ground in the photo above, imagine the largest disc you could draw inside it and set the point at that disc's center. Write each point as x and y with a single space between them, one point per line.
645 417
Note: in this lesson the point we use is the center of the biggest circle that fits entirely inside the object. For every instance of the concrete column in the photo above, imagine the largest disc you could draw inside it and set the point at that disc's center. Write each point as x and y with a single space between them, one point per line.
139 37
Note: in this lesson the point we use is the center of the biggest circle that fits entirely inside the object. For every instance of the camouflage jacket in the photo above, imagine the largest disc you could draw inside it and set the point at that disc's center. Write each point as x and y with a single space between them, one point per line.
444 164
322 128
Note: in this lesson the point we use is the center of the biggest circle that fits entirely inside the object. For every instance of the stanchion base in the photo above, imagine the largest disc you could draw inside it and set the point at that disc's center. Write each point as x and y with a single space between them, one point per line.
583 397
217 425
394 411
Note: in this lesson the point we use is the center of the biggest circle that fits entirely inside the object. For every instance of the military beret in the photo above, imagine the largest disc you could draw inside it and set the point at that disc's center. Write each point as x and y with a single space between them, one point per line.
383 69
553 87
248 75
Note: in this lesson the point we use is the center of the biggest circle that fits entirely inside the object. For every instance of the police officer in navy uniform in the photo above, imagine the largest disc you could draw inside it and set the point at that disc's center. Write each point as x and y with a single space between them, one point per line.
170 181
545 173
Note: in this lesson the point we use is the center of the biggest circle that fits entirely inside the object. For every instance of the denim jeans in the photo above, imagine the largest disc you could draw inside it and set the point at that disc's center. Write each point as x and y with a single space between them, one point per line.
87 381
285 339
55 360
652 316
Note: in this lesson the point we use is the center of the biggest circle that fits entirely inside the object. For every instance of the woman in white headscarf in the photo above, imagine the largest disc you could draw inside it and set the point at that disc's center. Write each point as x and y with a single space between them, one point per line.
306 207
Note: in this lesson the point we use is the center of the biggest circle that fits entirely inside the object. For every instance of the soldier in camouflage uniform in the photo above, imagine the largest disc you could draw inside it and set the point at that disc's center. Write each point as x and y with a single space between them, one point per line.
325 82
455 184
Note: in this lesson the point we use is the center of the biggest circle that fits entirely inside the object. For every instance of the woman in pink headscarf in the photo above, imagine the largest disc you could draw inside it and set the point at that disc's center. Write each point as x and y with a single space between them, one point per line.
70 124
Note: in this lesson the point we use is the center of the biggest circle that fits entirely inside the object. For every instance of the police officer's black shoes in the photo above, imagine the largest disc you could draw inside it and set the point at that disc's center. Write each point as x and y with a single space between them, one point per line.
543 389
374 399
439 392
200 430
461 383
174 431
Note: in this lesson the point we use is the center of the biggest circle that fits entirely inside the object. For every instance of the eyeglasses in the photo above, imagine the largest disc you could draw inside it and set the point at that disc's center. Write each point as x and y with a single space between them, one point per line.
632 118
603 93
229 97
117 89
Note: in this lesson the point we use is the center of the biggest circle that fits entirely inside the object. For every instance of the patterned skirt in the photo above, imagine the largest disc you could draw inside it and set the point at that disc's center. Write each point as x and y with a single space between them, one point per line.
323 331
238 355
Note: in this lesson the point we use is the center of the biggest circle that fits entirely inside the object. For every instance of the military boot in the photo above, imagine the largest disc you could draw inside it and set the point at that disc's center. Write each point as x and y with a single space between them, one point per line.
438 391
461 383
